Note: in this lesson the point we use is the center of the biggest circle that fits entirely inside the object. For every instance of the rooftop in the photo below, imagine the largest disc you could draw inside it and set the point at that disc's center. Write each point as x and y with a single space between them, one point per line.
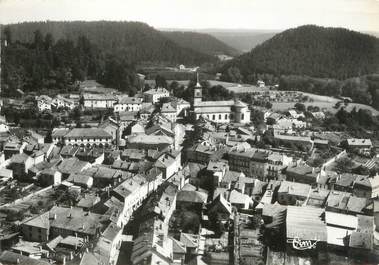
306 223
88 133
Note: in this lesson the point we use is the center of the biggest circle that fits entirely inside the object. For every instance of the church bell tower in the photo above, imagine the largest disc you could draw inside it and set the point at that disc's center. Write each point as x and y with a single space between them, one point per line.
198 91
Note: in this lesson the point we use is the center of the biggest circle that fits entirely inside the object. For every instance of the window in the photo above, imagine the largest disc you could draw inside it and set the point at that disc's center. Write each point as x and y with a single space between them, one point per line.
219 116
226 116
242 116
213 117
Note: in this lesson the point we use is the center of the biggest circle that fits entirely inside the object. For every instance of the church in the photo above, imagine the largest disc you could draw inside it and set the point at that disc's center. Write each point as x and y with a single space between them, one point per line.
225 111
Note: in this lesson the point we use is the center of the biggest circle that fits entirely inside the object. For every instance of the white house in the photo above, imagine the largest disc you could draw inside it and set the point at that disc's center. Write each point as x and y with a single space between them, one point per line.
91 136
155 94
125 103
99 101
62 102
44 102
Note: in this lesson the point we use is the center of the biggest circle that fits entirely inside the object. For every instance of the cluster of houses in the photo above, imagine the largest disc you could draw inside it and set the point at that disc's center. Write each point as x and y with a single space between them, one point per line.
137 189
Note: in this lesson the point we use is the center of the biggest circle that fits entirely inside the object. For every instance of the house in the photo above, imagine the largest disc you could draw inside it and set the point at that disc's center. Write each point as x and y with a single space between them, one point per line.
358 144
239 160
155 94
131 192
50 176
147 111
81 180
303 174
108 245
239 200
292 193
168 111
74 221
169 163
87 136
219 169
126 103
71 165
367 187
276 164
99 101
191 197
181 106
20 164
152 246
220 210
62 102
44 102
36 228
238 181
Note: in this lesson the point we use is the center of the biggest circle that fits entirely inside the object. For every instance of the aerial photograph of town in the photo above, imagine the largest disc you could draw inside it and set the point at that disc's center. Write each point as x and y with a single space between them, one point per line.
189 132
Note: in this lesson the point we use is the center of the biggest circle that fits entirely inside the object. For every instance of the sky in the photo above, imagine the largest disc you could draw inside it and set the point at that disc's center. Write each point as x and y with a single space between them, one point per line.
361 15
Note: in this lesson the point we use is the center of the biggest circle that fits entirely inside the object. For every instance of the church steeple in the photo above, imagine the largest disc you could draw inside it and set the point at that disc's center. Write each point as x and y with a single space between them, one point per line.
198 91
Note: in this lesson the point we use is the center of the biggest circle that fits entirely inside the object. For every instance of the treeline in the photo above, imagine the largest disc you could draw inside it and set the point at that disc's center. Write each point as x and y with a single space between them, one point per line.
134 40
364 89
48 66
359 123
313 51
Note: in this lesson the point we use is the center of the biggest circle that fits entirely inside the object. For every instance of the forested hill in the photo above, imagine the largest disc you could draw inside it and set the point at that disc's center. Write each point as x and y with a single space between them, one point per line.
313 51
200 42
134 40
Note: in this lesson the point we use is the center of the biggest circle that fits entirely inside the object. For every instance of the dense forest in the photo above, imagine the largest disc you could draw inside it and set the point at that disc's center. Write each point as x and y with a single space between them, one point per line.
49 57
136 41
48 66
313 51
200 42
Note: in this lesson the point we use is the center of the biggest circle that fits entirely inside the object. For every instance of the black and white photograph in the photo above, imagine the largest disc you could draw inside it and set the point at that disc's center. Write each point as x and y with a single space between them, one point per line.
189 132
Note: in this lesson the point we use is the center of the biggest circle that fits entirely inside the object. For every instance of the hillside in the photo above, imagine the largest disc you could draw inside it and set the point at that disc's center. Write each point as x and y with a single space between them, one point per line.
313 51
136 41
200 42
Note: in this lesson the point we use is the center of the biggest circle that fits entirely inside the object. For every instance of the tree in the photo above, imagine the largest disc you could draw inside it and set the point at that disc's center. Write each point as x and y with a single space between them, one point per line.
344 165
160 81
300 107
234 75
270 121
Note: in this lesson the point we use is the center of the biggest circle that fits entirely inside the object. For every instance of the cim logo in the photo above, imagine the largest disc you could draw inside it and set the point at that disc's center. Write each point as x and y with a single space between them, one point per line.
299 244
